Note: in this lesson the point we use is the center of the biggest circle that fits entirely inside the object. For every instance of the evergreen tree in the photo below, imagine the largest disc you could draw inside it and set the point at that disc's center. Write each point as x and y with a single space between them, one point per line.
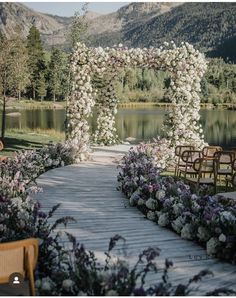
20 67
36 59
79 26
57 73
13 71
41 86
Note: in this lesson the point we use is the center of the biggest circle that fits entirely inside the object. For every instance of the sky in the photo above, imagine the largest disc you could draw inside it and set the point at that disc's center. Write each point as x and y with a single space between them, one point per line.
69 8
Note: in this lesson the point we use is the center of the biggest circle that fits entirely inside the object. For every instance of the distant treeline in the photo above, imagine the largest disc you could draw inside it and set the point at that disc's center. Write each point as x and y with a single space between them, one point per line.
27 70
218 84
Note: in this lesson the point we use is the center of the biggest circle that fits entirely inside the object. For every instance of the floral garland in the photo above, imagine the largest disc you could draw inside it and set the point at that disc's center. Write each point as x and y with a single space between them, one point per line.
209 220
106 104
185 65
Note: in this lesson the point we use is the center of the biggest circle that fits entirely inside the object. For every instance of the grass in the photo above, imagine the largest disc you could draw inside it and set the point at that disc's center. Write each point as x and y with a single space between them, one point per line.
17 139
34 104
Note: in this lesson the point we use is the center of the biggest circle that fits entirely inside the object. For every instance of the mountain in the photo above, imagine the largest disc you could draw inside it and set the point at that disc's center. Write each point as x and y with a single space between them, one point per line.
206 25
108 29
54 29
209 26
13 15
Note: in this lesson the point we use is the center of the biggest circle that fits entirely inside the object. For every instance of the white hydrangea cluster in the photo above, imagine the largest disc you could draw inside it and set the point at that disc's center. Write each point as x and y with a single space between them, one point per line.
185 65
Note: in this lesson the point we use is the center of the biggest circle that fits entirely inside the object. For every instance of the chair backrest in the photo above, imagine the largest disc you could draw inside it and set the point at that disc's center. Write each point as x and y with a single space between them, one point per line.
189 156
209 151
181 148
225 157
205 165
234 164
14 257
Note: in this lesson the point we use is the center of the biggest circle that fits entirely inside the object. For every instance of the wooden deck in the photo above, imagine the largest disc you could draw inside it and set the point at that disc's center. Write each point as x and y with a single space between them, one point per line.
87 192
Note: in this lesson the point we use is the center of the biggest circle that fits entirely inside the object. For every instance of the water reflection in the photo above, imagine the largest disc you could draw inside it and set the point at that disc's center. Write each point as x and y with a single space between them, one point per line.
142 124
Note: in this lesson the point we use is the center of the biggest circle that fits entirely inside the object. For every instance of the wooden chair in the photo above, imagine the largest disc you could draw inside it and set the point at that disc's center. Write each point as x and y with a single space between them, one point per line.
209 151
19 256
225 164
204 166
178 153
232 179
188 157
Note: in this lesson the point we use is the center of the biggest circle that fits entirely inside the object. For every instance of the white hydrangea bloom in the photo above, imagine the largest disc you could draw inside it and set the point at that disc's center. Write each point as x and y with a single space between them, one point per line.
151 204
178 224
151 215
203 234
160 194
212 246
163 220
187 232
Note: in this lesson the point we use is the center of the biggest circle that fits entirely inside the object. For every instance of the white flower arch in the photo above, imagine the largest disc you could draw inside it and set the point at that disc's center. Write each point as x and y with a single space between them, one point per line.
90 66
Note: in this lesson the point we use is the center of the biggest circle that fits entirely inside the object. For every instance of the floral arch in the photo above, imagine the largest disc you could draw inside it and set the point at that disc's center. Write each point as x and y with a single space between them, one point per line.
94 71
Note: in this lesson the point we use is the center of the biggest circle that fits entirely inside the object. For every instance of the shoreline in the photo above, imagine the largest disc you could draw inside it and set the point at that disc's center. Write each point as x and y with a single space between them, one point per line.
29 105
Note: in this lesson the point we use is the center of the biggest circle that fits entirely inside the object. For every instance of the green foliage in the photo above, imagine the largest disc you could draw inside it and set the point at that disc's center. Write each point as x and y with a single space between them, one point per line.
146 85
79 26
58 72
36 60
41 86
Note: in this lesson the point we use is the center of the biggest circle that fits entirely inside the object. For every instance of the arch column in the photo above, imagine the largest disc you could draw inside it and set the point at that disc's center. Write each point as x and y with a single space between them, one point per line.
106 133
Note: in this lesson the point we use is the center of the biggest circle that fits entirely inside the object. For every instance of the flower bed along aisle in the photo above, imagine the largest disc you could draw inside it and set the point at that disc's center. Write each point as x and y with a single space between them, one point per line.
75 271
209 220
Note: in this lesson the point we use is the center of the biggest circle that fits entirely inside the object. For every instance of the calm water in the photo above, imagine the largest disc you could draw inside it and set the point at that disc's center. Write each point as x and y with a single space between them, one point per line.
142 124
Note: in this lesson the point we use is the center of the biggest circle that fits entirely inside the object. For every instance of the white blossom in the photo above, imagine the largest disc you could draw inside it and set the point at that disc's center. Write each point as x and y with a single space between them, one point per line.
212 246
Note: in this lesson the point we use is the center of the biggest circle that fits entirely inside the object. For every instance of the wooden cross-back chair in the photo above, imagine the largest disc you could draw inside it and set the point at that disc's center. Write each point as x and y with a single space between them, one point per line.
205 172
21 257
209 151
225 166
188 157
231 179
178 153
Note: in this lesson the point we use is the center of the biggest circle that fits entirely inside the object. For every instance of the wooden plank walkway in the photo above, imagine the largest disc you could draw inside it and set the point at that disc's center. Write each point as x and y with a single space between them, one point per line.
87 192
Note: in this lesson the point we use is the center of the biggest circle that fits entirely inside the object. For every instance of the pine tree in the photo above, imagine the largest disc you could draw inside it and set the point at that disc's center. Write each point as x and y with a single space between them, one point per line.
20 67
41 86
9 55
57 73
79 26
36 60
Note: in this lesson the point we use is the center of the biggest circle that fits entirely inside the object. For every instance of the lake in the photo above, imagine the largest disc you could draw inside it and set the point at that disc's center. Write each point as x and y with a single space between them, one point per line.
140 123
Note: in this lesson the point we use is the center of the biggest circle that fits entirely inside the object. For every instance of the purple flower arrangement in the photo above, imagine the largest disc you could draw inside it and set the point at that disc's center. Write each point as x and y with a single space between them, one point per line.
209 220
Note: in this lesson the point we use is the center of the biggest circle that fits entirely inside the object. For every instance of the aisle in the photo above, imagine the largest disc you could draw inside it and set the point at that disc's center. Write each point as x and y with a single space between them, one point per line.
87 192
